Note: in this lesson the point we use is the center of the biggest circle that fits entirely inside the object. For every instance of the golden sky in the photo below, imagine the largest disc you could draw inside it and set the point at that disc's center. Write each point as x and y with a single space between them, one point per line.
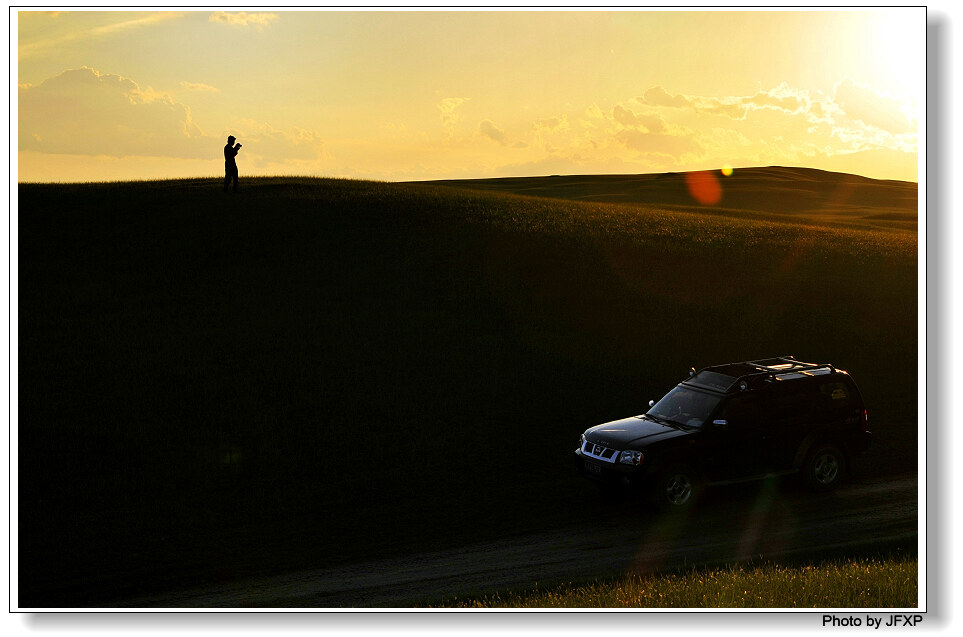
406 95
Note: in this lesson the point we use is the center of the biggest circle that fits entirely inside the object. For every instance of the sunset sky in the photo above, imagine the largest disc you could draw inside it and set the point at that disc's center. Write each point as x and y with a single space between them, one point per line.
410 95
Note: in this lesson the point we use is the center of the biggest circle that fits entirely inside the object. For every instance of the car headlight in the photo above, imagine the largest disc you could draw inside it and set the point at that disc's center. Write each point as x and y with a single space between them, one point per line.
631 457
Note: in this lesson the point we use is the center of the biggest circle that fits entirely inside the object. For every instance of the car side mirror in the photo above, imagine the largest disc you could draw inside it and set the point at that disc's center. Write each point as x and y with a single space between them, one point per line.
720 424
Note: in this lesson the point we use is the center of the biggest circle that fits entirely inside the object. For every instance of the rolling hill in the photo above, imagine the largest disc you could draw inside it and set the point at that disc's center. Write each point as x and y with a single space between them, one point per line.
316 370
775 189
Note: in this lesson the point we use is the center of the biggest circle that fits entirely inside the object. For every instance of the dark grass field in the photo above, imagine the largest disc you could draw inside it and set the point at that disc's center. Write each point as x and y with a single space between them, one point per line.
313 371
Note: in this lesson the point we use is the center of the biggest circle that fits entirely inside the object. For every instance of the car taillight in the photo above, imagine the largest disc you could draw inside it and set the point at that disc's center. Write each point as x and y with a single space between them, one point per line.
864 420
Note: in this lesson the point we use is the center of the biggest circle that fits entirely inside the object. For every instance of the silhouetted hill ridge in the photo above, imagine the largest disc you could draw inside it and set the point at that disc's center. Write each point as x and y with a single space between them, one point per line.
775 189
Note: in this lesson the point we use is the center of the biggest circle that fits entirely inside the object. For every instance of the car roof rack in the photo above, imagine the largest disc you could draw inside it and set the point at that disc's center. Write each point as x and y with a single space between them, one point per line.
752 373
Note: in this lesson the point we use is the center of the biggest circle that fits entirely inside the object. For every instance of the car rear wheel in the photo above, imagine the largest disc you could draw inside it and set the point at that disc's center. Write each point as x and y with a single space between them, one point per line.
677 488
824 468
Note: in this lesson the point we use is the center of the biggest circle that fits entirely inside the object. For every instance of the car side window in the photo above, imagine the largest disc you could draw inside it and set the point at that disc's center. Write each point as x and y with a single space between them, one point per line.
742 411
834 395
790 404
834 392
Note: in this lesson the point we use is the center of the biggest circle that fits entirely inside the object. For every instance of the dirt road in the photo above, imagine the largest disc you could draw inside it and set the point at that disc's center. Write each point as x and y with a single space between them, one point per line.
759 522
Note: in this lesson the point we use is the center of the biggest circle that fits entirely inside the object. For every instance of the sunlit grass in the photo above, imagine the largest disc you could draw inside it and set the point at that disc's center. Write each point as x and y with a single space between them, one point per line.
708 228
871 583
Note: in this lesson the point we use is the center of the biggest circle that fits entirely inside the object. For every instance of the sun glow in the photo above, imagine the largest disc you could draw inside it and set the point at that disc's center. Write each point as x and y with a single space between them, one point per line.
890 42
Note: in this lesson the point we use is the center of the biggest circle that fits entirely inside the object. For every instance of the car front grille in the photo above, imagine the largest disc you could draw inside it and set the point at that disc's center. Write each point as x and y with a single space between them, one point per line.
599 452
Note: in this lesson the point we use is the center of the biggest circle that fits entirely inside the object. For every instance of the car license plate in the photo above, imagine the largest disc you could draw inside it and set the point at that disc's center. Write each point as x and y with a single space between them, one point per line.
594 469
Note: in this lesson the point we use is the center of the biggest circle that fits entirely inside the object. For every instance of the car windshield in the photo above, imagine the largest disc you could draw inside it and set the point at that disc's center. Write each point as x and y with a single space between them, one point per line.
685 406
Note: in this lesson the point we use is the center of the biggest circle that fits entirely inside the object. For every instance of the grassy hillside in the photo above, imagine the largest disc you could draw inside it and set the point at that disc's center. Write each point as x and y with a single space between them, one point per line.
891 582
787 191
309 371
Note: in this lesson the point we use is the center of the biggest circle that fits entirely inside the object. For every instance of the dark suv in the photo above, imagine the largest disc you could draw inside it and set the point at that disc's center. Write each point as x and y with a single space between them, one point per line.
732 423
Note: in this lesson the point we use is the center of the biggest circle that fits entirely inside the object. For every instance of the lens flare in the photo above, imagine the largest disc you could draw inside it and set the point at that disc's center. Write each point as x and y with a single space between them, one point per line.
704 187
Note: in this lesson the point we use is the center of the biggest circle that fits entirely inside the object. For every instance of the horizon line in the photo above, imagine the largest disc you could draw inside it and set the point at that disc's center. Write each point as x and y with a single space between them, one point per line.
216 176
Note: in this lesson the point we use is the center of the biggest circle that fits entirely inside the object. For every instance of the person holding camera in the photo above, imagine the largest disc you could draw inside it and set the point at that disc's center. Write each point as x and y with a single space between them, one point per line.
230 166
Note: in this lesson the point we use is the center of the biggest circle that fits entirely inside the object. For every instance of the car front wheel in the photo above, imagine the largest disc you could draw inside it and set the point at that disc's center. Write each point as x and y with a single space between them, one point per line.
676 489
824 468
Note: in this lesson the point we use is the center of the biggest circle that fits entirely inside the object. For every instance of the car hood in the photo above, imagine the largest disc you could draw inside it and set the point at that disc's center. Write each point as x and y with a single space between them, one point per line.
636 431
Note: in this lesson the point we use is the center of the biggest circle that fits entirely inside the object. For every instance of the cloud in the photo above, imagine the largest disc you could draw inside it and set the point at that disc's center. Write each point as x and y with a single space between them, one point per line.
816 112
649 122
594 112
244 19
268 144
488 129
624 116
787 120
648 134
781 98
648 143
733 108
145 21
643 132
29 49
856 116
551 124
450 115
785 103
88 113
198 86
782 124
85 112
657 96
554 134
622 134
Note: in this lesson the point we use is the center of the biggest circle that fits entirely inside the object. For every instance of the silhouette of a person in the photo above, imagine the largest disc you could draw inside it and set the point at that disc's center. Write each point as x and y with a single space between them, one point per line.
230 166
